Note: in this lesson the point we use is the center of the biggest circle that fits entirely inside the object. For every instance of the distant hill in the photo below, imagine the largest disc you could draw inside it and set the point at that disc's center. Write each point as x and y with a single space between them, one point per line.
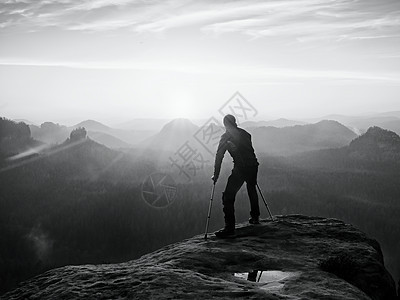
376 144
269 140
275 123
92 125
75 158
27 122
301 138
50 133
172 136
108 140
390 114
78 157
376 149
144 124
102 134
387 122
85 159
128 136
360 124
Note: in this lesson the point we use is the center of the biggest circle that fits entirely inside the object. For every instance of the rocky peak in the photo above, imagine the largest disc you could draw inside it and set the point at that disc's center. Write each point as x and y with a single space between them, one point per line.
378 134
376 144
295 257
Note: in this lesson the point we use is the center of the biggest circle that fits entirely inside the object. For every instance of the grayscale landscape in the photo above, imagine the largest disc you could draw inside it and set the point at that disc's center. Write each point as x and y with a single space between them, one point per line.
111 113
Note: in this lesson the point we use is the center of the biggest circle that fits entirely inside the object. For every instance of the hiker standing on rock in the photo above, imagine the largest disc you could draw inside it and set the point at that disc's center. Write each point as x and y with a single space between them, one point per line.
237 142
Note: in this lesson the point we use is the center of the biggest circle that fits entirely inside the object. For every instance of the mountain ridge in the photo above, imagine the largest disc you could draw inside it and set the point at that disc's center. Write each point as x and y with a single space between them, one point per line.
301 138
281 122
172 135
377 149
92 125
376 144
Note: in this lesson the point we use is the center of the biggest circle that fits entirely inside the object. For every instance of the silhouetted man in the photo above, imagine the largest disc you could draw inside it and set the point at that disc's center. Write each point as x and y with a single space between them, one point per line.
237 142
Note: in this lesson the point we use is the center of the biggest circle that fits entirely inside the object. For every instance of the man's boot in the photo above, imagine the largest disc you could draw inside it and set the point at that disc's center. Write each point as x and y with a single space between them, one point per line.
227 232
254 220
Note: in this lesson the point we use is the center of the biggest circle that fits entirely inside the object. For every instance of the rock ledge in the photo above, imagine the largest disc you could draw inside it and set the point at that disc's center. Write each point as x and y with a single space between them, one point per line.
319 258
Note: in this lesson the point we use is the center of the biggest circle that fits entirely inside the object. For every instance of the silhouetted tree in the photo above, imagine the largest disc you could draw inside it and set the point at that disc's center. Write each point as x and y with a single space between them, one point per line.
78 134
14 137
12 130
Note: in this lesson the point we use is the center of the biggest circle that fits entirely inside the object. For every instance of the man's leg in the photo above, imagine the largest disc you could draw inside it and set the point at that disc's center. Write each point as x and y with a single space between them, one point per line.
235 181
251 182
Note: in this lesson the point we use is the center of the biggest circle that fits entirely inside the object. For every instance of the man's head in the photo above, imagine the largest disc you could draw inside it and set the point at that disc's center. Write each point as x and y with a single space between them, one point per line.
230 121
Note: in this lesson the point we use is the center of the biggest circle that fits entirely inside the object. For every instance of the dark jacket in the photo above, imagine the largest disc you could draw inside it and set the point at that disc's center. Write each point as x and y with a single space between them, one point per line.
238 143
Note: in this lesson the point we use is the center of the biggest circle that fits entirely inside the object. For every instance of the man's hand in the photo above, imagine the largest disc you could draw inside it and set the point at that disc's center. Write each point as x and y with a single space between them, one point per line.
214 179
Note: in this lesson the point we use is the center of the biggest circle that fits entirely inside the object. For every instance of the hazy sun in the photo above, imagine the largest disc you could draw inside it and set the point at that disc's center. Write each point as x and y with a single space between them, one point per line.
181 105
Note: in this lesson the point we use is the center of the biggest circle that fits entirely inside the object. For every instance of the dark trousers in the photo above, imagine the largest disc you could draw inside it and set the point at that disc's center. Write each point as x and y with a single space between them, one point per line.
235 181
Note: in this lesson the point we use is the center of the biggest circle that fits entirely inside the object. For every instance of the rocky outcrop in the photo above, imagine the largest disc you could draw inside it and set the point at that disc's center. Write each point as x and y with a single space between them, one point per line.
300 258
376 144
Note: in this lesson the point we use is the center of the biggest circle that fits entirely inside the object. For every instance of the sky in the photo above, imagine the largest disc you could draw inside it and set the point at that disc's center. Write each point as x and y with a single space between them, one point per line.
115 60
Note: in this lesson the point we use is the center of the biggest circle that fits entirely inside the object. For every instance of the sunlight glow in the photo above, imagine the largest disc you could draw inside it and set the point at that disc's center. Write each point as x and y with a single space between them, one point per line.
182 105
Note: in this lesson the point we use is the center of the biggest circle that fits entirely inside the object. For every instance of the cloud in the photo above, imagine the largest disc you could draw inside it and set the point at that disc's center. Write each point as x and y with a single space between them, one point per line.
298 25
96 4
104 25
314 21
306 20
192 15
240 72
94 15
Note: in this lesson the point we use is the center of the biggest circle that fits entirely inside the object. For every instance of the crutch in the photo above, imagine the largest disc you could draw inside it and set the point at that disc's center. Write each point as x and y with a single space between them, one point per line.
265 202
209 210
